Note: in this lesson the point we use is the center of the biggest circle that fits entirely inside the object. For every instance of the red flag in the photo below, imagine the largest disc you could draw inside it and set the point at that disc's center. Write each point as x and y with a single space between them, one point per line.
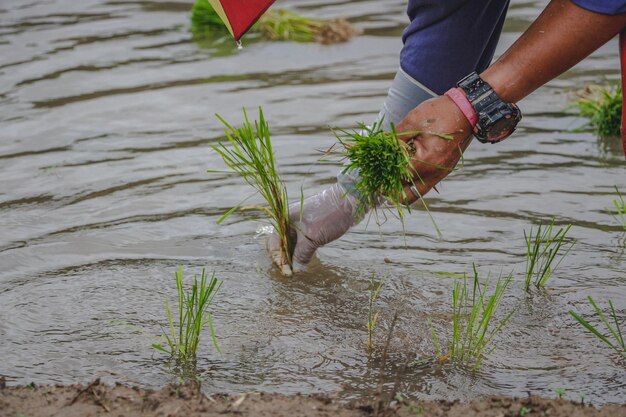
240 15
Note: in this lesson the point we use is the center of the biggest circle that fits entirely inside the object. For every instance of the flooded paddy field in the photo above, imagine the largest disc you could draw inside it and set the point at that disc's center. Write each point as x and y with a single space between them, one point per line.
106 121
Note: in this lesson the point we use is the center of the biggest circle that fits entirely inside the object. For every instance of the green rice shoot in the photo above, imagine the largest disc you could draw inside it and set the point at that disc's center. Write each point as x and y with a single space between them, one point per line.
250 155
474 321
274 25
545 250
384 165
205 20
620 208
614 338
193 317
372 316
603 107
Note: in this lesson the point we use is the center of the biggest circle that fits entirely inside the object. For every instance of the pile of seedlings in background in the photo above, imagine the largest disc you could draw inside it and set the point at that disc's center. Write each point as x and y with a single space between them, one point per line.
542 249
620 208
474 322
383 163
615 339
251 156
193 317
372 316
275 25
603 107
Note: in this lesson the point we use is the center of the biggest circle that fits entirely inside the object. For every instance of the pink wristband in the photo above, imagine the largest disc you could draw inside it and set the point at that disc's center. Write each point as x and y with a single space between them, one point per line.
463 104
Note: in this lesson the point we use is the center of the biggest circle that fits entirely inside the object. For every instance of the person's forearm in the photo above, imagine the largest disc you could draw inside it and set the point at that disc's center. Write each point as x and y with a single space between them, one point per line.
561 37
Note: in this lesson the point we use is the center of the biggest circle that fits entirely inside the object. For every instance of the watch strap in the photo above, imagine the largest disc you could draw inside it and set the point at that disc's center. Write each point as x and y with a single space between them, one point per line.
476 89
463 104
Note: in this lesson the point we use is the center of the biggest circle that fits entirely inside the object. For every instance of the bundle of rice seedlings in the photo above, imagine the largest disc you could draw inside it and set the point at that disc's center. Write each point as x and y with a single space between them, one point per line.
384 165
383 161
603 107
251 156
336 31
205 20
276 25
284 25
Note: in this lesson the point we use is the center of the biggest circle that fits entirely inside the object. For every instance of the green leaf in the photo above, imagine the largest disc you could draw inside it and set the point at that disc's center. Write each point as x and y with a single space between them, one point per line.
159 347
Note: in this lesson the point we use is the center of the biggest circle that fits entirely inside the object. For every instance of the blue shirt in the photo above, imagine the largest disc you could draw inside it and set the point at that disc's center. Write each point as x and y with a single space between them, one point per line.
610 7
448 39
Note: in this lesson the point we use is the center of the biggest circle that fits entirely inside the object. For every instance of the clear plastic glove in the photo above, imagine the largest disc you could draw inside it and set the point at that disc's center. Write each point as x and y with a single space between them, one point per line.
325 216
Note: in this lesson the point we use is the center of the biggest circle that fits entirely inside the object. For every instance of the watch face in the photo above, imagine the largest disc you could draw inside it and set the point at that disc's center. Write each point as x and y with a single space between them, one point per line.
496 119
501 128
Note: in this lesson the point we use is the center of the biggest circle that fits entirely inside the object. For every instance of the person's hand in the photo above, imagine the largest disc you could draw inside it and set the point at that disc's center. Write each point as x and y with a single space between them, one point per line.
323 217
435 157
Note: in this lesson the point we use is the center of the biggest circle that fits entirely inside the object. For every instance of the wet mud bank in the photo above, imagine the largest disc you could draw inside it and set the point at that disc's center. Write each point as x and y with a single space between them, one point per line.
98 399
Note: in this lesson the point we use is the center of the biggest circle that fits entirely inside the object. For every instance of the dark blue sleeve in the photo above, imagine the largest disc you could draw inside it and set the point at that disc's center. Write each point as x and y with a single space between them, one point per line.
610 7
448 39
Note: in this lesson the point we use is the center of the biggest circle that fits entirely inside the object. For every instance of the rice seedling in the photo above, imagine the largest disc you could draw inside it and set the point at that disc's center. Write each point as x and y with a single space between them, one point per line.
620 208
474 322
275 25
193 317
542 249
614 339
384 165
372 316
603 107
252 157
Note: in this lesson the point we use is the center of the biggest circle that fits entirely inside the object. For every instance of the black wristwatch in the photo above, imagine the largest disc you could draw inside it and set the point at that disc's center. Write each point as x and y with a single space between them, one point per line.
496 119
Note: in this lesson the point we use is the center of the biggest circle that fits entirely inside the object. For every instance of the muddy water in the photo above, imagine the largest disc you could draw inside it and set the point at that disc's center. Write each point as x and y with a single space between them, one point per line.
105 125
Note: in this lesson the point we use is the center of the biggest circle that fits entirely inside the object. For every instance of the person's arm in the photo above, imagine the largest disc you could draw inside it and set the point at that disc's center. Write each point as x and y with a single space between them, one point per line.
561 37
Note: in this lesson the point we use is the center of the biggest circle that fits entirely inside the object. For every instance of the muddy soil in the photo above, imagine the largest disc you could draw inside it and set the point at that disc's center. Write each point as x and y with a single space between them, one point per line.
98 399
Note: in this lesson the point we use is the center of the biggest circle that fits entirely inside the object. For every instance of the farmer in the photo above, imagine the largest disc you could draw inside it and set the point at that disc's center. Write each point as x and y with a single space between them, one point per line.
445 85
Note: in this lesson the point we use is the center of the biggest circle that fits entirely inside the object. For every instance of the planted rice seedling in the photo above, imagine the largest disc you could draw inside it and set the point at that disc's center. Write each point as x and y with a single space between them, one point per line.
603 107
384 165
542 249
193 317
614 339
252 157
276 25
620 208
372 316
474 321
